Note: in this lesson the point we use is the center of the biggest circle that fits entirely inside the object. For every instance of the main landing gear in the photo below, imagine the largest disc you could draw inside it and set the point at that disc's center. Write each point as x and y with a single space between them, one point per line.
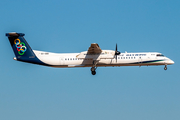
165 68
93 69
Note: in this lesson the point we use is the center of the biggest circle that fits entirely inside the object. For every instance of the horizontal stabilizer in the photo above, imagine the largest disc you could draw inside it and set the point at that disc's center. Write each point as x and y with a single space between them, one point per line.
14 34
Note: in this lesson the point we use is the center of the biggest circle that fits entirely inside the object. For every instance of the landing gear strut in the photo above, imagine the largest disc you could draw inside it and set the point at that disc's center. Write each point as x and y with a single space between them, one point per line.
93 69
165 68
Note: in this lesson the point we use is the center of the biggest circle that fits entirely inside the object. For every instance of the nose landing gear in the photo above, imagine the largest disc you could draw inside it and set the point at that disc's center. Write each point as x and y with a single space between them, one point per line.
165 68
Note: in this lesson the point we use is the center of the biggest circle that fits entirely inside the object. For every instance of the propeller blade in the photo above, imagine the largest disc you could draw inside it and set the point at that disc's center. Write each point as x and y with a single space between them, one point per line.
116 46
116 52
116 58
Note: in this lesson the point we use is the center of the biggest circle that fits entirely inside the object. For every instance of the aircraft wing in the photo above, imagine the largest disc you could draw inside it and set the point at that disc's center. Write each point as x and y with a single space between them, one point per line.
94 49
94 52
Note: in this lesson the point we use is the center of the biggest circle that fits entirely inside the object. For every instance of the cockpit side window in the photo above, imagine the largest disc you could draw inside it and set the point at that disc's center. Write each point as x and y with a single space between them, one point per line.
160 55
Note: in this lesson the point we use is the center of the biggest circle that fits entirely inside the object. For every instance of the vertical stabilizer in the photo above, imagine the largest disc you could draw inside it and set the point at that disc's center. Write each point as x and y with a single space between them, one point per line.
21 48
19 45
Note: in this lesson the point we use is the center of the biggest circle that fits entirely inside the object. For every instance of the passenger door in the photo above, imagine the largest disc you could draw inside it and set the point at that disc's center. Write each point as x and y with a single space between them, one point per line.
140 60
61 61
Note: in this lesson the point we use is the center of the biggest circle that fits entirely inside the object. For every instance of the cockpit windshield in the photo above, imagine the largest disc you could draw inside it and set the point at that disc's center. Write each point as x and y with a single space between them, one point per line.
160 55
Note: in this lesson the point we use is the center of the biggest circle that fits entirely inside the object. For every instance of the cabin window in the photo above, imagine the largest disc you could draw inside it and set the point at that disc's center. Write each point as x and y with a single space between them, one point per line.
160 55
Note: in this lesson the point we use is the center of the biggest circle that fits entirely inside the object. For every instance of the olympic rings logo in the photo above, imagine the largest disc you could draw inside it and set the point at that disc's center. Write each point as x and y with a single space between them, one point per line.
21 48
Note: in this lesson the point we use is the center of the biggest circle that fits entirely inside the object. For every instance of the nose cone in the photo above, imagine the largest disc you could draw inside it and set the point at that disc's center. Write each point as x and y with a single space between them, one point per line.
171 62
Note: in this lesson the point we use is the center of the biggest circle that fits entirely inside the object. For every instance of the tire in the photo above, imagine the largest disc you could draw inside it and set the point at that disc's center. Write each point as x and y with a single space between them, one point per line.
93 72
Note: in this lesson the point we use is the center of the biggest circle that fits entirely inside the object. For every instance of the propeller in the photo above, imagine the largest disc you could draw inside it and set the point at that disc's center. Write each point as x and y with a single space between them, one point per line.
116 53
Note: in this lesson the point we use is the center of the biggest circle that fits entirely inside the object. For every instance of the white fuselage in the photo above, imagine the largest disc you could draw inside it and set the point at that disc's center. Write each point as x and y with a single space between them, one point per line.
124 59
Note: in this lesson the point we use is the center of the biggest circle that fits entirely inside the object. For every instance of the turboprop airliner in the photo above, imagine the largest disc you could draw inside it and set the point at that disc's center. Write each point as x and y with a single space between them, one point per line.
94 57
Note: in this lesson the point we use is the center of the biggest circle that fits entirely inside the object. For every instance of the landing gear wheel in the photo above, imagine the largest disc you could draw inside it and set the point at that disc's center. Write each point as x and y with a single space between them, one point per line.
93 69
165 68
93 72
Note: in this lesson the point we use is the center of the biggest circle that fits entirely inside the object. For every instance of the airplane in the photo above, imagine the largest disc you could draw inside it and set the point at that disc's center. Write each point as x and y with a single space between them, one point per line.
94 57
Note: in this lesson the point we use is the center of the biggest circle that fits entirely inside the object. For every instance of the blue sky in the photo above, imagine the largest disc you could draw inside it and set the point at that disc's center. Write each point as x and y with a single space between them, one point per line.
35 92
